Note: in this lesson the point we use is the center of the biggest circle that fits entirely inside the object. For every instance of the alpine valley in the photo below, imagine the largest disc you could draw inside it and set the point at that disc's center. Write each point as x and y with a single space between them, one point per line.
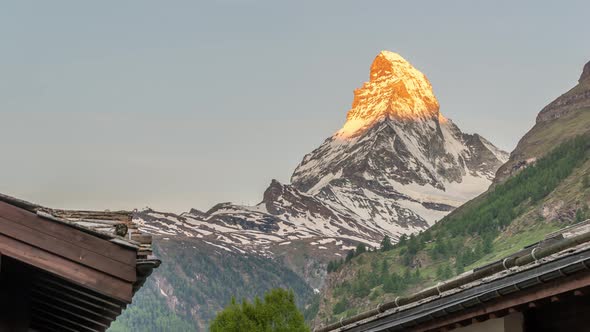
395 168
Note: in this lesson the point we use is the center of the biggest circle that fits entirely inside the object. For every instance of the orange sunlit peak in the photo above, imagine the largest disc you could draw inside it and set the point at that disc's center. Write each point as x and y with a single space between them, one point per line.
395 90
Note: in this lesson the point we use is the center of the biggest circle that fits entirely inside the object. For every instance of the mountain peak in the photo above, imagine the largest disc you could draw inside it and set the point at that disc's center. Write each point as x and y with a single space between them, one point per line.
585 73
384 64
395 89
575 99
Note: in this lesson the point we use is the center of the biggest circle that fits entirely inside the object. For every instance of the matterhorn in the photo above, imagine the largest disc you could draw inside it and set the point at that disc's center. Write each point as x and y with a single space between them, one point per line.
396 167
398 164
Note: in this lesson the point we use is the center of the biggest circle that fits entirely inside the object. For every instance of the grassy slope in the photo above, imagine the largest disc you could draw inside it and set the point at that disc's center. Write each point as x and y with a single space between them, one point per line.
557 210
553 212
546 135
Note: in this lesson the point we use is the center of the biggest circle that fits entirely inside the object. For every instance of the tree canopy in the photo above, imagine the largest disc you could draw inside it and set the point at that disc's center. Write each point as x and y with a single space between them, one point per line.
277 312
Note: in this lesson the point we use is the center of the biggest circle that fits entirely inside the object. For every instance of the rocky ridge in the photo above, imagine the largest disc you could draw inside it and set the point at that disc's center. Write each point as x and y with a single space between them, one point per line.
576 98
565 117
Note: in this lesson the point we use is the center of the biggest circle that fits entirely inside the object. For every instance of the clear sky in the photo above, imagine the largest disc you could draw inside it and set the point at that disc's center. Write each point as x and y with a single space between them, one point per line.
180 104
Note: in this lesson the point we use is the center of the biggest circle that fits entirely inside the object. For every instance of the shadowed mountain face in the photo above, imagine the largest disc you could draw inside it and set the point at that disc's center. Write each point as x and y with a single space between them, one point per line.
585 73
401 175
575 99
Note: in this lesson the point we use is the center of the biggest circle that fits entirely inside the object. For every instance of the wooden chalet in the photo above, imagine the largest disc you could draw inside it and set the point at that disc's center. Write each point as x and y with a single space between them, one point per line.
66 270
544 287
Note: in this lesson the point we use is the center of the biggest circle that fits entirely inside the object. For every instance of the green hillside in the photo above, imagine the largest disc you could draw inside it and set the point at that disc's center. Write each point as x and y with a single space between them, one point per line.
541 198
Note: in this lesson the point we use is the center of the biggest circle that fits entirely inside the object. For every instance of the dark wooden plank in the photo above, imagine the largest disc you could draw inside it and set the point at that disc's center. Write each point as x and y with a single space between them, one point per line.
64 320
76 298
75 313
64 304
69 234
142 238
77 273
67 250
49 324
61 284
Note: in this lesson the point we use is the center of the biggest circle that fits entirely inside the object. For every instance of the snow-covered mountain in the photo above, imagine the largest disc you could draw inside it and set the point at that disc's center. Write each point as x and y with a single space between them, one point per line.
396 167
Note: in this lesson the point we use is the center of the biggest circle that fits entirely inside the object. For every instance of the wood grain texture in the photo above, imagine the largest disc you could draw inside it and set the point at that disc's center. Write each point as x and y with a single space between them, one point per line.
68 234
67 269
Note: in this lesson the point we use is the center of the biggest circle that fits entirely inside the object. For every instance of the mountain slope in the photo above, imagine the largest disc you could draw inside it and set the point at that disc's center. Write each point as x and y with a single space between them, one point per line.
526 203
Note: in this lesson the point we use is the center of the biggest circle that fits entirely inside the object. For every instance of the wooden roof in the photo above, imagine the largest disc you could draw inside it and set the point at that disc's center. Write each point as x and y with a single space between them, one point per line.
117 226
84 266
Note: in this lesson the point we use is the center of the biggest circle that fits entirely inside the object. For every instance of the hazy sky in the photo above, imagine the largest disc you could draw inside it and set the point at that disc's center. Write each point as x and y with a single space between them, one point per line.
180 104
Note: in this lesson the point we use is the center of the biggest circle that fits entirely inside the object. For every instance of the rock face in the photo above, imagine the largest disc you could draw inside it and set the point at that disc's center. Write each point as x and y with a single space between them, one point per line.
585 73
396 166
395 89
575 99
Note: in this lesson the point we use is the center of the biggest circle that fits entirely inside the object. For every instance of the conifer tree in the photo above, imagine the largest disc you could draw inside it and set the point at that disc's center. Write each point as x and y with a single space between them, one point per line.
361 248
386 243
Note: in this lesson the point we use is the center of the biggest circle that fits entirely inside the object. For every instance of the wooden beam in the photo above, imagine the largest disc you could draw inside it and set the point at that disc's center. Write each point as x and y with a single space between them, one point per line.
57 318
69 234
74 313
141 238
89 313
80 274
52 325
78 298
78 291
68 250
543 291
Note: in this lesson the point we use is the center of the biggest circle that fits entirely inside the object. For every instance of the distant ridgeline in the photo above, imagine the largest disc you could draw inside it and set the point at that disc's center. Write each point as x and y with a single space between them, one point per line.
495 224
